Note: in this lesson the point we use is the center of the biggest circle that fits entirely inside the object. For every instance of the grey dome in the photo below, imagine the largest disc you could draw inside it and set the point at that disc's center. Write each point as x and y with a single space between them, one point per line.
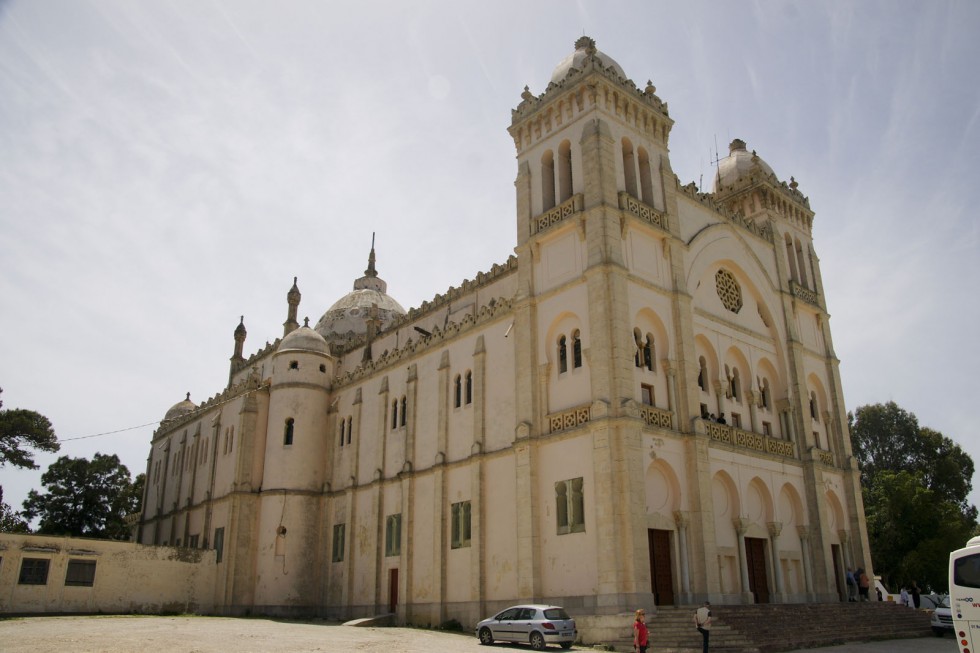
304 339
349 315
584 48
180 408
739 164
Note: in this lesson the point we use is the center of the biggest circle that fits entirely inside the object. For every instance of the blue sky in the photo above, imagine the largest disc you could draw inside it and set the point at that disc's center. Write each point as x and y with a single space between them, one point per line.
168 167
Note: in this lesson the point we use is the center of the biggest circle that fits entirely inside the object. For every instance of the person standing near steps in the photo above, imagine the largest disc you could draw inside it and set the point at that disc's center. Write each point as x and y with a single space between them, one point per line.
702 620
640 634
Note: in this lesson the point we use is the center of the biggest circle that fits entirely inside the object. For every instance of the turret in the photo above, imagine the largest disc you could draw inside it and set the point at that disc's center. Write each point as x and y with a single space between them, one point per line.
292 298
237 359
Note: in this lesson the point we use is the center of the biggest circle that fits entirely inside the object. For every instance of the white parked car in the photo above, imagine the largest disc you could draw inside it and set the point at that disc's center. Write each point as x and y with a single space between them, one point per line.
942 618
537 625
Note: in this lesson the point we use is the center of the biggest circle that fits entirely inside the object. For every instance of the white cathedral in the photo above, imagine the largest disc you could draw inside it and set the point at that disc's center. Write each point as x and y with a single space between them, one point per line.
641 407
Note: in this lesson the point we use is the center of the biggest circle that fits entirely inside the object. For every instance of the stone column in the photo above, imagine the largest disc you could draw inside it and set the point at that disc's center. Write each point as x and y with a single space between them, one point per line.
682 520
775 528
671 391
804 532
720 394
741 527
753 398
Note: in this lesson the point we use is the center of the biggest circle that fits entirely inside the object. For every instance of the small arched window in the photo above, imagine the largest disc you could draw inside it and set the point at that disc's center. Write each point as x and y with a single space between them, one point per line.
646 176
294 365
394 414
766 392
458 391
547 181
702 374
469 387
564 171
648 353
576 349
813 407
350 428
404 409
562 355
287 437
629 167
343 430
638 342
735 385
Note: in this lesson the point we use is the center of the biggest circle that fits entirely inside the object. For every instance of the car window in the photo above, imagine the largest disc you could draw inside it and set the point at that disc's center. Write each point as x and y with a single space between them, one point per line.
527 614
510 614
556 613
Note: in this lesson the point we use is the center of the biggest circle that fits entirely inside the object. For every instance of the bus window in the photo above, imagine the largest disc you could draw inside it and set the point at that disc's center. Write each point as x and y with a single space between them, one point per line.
966 571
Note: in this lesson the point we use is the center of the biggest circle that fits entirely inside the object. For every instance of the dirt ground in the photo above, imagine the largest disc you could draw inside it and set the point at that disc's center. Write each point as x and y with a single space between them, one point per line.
217 635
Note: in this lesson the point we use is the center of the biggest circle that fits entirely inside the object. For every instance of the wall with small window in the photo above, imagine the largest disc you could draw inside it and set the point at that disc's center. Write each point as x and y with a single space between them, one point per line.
51 575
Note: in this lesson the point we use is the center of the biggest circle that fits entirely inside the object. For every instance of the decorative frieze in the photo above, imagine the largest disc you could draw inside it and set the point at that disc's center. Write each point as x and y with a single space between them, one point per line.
749 440
568 419
642 211
825 457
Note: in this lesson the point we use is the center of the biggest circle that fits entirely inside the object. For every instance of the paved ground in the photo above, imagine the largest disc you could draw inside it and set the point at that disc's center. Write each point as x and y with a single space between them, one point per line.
219 635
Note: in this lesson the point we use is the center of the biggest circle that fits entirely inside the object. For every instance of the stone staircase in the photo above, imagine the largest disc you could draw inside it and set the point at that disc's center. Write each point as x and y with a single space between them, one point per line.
770 628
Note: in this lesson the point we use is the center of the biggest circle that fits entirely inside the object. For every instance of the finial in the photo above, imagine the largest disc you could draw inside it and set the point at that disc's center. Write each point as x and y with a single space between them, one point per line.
586 43
306 322
371 272
527 95
793 184
650 89
188 398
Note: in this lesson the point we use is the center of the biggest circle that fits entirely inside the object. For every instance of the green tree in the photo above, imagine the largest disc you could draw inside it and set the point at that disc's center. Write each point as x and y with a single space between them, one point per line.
10 521
85 498
915 485
22 430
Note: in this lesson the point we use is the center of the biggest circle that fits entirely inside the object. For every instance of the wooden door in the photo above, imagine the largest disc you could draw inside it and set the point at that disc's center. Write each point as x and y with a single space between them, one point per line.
755 560
840 585
661 573
392 590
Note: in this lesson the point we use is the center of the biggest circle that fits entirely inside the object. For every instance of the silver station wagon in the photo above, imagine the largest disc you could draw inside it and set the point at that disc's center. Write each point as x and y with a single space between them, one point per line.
537 625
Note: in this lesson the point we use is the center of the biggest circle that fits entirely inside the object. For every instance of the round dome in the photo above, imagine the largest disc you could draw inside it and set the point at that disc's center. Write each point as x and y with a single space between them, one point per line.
739 163
350 313
180 408
304 339
584 48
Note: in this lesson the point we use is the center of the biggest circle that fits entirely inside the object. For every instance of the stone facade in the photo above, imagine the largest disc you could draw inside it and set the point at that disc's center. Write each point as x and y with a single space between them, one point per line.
548 431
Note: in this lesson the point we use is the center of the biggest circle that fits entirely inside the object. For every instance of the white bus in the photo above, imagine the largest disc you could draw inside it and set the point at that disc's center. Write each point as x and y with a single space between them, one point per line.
964 595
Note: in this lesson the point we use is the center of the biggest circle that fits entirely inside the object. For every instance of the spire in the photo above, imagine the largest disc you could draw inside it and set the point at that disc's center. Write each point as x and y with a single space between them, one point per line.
371 280
292 298
237 360
371 271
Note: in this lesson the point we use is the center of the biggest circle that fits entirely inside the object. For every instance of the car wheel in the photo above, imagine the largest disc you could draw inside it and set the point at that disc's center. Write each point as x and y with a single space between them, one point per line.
566 645
537 641
486 637
938 632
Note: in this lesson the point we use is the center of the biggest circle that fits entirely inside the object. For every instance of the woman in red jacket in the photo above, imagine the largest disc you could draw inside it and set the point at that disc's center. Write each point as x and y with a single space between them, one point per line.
640 641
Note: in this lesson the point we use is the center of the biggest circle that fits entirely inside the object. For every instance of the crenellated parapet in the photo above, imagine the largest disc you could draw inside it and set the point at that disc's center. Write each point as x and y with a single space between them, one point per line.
487 313
761 228
592 84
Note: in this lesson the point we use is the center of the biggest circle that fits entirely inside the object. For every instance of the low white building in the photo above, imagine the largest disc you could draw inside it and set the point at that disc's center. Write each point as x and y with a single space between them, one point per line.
550 430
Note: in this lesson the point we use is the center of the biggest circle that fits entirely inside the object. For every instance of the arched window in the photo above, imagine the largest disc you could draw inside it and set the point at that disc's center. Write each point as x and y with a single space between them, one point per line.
287 437
458 391
394 414
801 261
646 176
629 167
638 341
813 407
648 353
576 349
564 171
294 365
469 387
735 385
350 428
343 430
703 374
791 259
766 394
562 355
547 181
404 409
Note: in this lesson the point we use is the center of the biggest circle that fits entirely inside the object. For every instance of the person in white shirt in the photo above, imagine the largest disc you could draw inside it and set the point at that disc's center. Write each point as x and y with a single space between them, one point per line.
702 620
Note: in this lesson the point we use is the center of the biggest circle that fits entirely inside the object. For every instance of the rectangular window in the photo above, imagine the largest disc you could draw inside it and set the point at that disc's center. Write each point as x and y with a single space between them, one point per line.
219 542
767 429
193 540
81 573
461 524
393 535
338 542
34 571
646 394
570 506
736 420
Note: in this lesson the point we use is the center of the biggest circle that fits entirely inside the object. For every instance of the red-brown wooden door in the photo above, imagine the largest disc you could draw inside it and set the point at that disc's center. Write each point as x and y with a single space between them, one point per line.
661 573
392 590
755 559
